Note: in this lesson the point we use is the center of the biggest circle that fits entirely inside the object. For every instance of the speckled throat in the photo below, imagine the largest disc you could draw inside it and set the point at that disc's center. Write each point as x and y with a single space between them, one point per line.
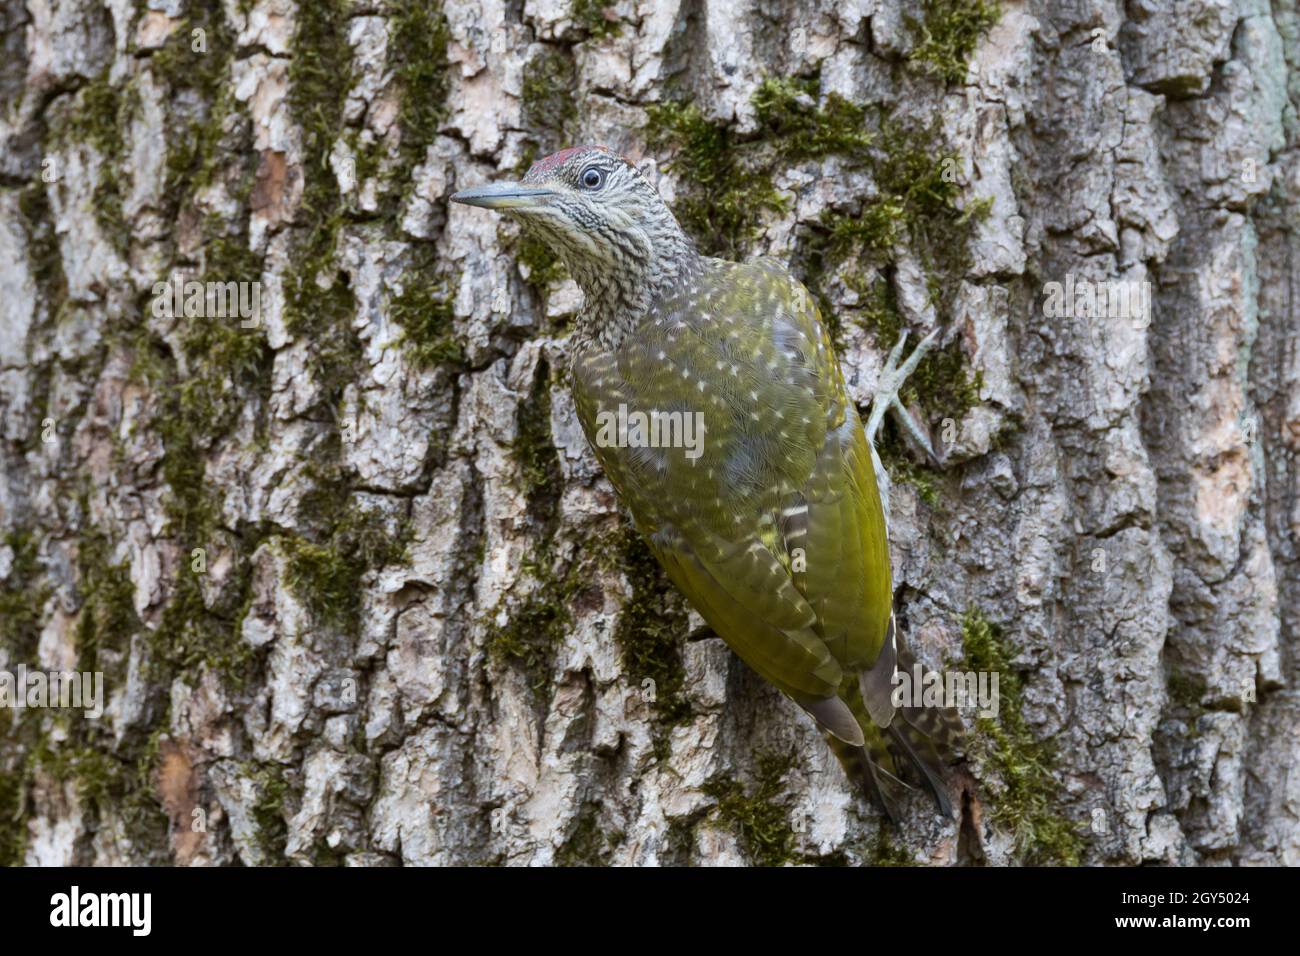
618 295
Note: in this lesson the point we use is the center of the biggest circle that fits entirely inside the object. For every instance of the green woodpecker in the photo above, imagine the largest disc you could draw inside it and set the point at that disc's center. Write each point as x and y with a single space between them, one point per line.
714 401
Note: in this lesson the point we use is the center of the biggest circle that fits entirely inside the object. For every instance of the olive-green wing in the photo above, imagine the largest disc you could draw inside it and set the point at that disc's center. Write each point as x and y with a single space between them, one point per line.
745 350
747 597
836 516
847 576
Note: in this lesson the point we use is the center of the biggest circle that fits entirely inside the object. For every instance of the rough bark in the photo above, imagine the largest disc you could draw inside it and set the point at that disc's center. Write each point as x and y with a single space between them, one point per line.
419 631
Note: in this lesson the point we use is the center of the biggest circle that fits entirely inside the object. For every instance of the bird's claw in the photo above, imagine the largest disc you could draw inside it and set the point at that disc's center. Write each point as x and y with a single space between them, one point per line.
892 377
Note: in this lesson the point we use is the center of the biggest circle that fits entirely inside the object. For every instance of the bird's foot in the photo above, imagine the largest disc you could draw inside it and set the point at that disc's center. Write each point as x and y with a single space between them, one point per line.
892 377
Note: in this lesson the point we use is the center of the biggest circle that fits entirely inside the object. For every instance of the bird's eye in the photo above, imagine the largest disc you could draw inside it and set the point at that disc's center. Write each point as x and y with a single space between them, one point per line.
592 178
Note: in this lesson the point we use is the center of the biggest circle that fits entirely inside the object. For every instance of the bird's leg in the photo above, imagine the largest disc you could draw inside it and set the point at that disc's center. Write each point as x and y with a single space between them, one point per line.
892 377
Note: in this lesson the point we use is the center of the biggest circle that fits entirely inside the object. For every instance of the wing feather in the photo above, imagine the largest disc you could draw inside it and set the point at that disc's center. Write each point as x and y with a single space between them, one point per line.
777 487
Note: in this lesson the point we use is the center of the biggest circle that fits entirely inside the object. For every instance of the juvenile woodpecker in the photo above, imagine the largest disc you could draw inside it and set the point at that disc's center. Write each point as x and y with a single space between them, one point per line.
772 524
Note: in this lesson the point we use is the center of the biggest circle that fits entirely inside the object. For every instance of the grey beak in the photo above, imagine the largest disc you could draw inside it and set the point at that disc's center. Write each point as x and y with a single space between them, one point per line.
505 195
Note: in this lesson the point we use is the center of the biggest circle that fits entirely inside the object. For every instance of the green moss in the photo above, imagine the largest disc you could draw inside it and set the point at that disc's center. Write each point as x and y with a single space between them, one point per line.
790 118
1187 690
203 392
546 96
191 633
877 310
13 819
759 815
46 268
18 741
424 312
679 841
534 452
727 182
918 204
94 772
544 267
184 426
1031 789
121 784
917 201
99 114
226 361
943 383
205 389
598 18
323 313
183 67
325 570
947 34
651 628
326 575
192 414
417 60
94 118
537 627
22 598
320 76
269 814
586 844
722 197
227 257
897 459
418 57
367 156
43 256
108 619
193 154
537 623
319 302
885 852
225 365
1187 698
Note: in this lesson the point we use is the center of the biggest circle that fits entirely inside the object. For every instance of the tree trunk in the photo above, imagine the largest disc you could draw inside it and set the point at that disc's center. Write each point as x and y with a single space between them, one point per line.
333 536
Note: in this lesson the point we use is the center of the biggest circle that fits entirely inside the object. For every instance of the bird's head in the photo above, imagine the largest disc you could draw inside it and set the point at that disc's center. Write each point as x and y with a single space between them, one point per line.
599 214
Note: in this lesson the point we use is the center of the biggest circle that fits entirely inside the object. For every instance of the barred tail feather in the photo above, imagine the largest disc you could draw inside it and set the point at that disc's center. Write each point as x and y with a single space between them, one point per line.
913 745
942 725
915 750
879 784
926 740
